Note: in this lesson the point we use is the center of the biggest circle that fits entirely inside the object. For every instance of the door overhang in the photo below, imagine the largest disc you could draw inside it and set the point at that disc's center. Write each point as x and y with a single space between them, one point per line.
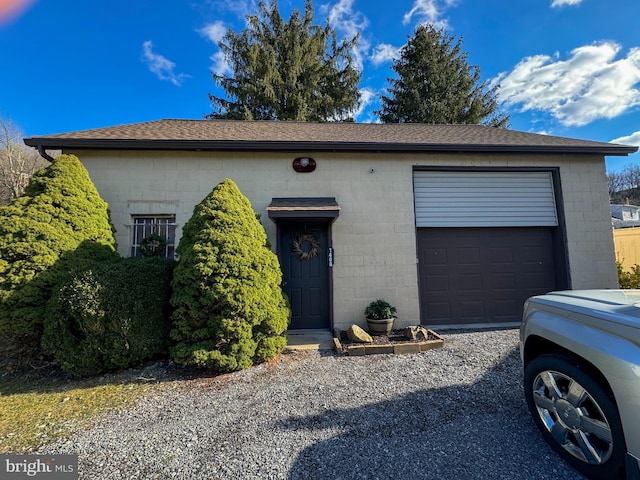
298 208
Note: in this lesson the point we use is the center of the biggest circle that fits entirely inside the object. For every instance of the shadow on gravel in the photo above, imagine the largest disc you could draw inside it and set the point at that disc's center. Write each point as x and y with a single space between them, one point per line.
470 431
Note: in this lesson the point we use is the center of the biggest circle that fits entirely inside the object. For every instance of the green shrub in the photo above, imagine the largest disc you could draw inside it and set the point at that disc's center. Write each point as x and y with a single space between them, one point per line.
110 315
229 308
59 210
629 279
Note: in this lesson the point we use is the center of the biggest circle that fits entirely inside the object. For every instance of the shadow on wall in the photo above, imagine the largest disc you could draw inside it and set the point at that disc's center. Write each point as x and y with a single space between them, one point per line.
467 431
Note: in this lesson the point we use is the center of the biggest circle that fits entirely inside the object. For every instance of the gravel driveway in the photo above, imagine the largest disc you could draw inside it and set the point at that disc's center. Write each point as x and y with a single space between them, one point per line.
453 413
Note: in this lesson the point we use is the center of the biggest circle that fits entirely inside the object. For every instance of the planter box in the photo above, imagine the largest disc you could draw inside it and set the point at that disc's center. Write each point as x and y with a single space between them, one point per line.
396 348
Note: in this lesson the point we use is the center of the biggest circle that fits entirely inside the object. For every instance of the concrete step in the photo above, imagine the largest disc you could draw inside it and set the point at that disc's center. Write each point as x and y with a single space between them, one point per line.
309 340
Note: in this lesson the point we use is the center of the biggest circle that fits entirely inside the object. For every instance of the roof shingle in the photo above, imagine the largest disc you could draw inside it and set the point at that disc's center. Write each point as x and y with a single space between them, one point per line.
171 134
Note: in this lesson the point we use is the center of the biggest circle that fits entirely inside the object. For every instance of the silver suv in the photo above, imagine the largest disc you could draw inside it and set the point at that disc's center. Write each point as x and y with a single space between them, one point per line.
580 351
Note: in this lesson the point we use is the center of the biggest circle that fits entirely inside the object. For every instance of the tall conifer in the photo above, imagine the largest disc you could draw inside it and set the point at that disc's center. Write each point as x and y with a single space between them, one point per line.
287 70
230 311
59 210
434 84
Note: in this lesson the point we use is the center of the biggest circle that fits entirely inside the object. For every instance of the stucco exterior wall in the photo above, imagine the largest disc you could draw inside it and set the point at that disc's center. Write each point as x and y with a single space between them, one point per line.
374 236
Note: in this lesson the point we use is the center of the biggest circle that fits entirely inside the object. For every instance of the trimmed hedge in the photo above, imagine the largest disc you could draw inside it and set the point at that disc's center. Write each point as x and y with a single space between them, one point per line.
230 311
110 315
59 210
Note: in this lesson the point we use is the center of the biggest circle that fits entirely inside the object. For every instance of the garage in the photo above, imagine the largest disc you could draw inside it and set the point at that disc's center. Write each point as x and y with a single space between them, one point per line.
535 193
487 240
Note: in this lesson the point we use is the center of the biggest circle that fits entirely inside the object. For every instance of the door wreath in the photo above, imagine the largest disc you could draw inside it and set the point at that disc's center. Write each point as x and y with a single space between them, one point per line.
305 246
153 245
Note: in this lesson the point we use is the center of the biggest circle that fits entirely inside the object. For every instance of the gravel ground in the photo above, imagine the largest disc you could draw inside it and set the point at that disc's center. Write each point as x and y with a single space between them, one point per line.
451 413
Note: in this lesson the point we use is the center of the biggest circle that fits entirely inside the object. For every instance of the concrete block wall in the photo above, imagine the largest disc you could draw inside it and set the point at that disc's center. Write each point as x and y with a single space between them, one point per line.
588 219
374 236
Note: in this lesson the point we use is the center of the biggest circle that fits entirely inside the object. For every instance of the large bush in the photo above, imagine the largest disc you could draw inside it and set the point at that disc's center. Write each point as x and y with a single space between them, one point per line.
59 210
628 278
229 308
110 315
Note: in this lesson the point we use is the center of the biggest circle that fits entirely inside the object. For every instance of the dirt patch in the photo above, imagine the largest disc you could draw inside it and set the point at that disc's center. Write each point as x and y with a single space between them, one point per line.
395 342
394 337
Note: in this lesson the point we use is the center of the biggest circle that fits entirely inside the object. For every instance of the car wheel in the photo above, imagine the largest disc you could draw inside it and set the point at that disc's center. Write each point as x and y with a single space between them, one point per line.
577 417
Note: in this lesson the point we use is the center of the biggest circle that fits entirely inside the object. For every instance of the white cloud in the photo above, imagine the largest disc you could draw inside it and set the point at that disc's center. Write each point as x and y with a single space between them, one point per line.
367 96
429 11
220 64
384 53
562 3
344 20
214 31
633 139
162 67
240 8
589 85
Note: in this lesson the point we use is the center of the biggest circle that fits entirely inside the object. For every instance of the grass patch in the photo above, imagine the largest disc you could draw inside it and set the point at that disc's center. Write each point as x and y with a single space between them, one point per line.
36 409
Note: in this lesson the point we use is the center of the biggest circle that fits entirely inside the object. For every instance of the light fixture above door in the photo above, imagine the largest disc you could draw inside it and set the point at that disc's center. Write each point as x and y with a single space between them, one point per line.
304 164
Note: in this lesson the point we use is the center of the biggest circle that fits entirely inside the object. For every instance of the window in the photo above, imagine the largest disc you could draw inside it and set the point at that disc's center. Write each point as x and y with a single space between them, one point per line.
163 225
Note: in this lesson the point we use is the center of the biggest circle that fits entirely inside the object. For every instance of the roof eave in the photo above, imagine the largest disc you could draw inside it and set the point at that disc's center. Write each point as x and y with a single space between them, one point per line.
227 145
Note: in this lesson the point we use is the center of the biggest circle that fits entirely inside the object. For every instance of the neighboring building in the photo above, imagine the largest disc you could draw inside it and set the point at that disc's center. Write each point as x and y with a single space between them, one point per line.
626 213
453 224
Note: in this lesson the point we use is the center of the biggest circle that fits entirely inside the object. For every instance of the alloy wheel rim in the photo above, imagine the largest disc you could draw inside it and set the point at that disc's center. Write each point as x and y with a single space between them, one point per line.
572 417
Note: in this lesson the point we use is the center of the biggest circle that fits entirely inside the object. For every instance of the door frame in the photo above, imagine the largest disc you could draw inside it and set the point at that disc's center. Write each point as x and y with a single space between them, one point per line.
307 209
558 233
280 250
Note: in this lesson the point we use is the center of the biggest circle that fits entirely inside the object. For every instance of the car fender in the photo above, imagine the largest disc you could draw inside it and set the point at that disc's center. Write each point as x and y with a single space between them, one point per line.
616 358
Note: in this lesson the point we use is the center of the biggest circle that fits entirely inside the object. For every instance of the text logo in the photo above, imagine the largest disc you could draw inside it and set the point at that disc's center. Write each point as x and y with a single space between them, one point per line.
50 467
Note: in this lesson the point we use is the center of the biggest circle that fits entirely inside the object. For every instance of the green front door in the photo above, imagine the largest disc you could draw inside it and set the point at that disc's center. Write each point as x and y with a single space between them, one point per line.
305 270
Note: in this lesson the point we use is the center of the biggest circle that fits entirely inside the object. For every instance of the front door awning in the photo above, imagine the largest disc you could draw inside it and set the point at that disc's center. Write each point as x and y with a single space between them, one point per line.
303 207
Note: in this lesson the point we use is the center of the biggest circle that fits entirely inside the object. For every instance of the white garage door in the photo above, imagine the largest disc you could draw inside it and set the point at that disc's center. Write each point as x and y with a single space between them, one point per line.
484 199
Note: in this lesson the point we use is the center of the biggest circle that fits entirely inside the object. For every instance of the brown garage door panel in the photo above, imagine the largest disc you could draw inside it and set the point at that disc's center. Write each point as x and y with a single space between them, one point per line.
482 275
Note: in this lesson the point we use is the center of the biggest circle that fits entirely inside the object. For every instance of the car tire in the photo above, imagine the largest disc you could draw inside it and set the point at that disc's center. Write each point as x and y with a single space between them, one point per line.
577 417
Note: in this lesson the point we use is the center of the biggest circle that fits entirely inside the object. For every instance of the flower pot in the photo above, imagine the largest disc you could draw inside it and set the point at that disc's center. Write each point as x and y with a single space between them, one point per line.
380 327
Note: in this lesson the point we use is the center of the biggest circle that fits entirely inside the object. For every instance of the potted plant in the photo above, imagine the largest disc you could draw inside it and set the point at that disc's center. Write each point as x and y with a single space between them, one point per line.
380 315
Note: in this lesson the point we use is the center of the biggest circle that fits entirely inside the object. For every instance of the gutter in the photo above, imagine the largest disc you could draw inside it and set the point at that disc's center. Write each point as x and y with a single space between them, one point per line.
43 153
296 146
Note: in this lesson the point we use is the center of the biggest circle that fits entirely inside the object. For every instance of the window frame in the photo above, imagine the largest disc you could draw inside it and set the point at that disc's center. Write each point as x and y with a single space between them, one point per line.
143 225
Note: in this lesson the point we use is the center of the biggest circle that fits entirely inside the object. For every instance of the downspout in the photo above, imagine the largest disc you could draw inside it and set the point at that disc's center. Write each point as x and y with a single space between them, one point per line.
43 153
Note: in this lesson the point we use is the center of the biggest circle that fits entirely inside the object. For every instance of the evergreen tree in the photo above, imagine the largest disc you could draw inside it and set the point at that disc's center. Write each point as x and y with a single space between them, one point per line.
435 84
59 210
229 308
287 71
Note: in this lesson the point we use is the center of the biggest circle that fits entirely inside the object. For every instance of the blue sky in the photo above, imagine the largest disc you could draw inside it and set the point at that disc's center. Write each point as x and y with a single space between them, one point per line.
565 67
